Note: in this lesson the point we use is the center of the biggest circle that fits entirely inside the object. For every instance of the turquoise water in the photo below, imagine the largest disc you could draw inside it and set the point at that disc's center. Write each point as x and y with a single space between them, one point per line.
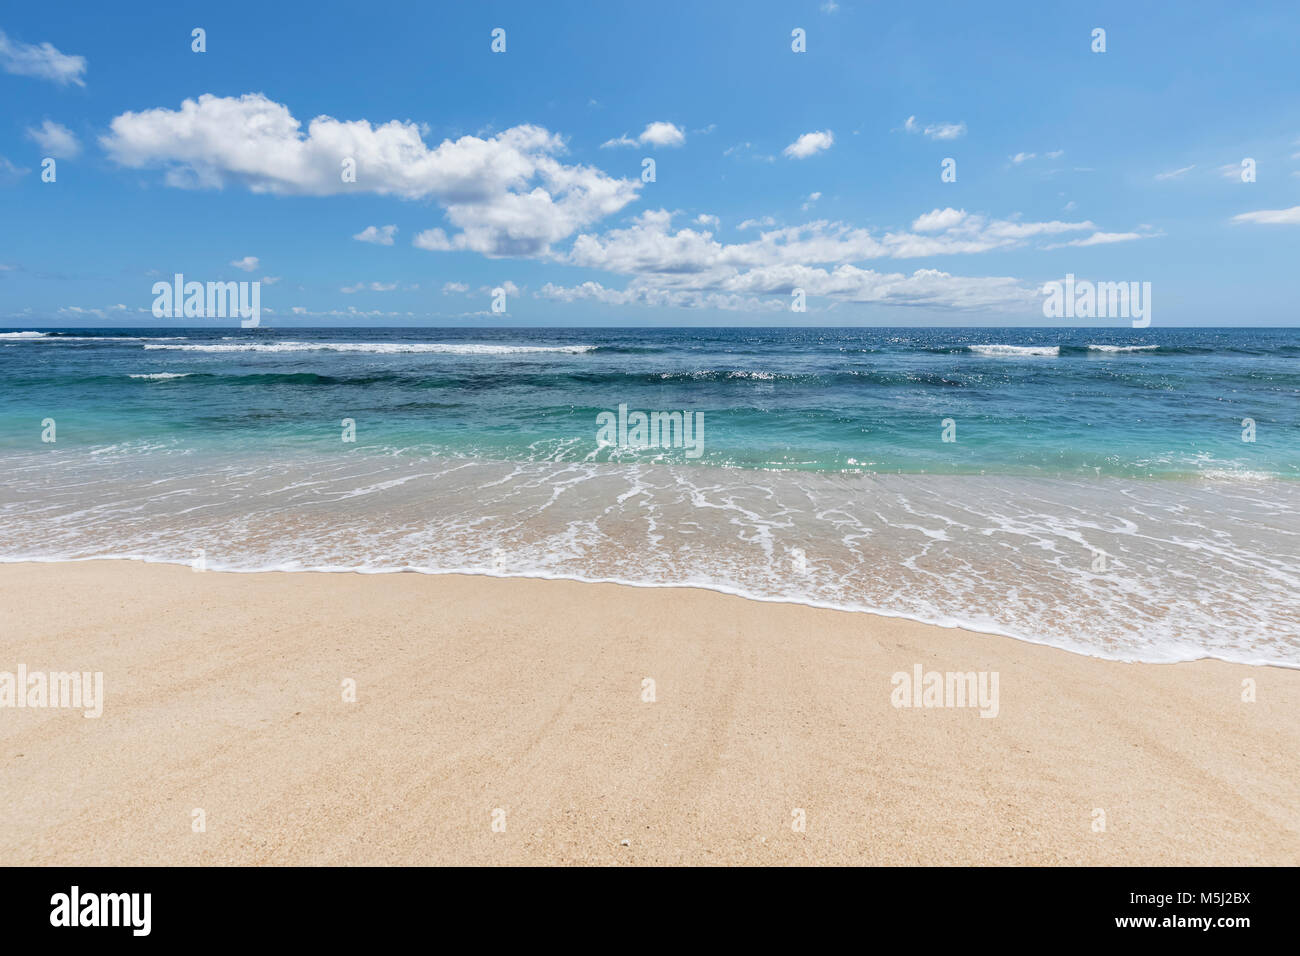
1098 495
1154 403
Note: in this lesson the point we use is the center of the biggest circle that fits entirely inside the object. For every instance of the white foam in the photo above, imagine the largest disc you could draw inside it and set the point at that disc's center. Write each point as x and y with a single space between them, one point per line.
1016 350
382 348
23 335
157 376
1122 348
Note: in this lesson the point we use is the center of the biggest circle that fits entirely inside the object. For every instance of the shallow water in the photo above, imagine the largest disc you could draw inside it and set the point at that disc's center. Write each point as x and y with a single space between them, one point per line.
1097 499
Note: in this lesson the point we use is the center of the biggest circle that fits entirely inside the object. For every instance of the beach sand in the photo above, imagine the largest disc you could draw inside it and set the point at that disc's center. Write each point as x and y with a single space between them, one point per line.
224 693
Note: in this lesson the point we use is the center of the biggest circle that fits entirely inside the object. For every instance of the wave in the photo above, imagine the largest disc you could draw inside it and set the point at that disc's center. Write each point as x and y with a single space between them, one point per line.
1016 350
381 348
63 337
158 376
1122 348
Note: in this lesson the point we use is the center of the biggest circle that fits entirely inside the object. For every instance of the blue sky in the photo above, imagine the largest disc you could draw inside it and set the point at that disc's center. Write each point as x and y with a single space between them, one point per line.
774 170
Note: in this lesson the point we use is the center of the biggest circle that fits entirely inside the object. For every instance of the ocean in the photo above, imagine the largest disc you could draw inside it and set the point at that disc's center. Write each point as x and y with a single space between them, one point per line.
1129 494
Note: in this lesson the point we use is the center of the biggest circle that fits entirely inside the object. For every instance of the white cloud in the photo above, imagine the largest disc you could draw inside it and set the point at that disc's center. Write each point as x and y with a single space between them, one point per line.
55 139
757 223
1271 217
507 194
368 287
1023 157
618 143
712 221
1104 238
809 143
649 246
770 289
938 219
657 133
830 6
1175 173
690 268
449 288
935 130
662 134
810 201
1055 154
248 263
43 61
379 235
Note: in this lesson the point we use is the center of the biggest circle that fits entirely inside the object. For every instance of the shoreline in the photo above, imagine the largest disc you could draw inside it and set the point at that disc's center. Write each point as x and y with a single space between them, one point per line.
719 589
478 693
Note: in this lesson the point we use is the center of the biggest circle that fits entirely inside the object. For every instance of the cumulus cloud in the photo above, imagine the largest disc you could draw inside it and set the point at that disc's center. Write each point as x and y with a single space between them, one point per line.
690 268
41 60
448 288
935 130
1272 217
55 139
938 219
248 263
769 289
369 287
658 133
809 144
662 134
650 245
379 235
508 194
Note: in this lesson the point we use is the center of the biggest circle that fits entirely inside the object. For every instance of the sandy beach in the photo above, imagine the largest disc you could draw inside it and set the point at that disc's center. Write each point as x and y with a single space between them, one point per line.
523 703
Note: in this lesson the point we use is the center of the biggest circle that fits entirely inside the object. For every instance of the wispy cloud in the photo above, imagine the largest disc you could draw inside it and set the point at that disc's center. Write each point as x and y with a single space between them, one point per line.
1271 217
935 130
41 60
1104 238
1175 173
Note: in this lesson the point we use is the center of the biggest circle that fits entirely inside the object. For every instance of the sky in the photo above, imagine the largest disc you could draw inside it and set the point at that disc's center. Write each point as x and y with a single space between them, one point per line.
774 169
